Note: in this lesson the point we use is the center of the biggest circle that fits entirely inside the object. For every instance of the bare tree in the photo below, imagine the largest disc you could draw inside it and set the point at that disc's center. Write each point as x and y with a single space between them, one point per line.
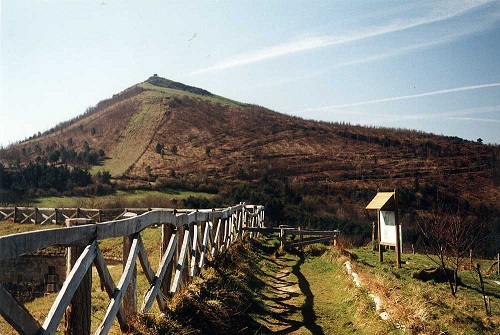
448 239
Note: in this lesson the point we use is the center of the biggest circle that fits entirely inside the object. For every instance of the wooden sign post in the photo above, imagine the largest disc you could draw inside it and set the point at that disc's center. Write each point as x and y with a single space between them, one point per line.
386 205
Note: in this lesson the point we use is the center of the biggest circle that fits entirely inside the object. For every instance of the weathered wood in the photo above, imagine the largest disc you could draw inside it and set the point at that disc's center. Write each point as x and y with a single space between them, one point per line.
146 267
68 290
194 251
204 247
181 262
109 286
215 244
267 230
77 315
6 215
311 232
166 234
233 219
157 283
15 245
119 292
28 217
17 315
46 218
130 295
398 242
306 242
222 242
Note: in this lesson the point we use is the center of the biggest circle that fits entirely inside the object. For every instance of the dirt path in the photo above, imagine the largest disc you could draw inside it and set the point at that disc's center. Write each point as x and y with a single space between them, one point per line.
290 298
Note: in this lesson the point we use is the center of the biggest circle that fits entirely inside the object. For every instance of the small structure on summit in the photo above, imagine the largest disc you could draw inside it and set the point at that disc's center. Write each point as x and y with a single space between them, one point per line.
389 228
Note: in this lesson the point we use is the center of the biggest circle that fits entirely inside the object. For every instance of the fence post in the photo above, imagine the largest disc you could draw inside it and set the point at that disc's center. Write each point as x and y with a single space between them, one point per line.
282 237
130 296
15 214
36 215
77 316
498 263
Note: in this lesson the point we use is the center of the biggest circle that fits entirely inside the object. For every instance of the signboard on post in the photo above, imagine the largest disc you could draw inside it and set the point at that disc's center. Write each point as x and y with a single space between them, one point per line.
389 229
387 222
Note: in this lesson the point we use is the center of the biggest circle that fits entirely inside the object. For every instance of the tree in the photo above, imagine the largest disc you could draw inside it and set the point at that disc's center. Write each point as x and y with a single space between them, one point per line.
104 177
448 239
173 149
159 148
54 156
86 147
149 172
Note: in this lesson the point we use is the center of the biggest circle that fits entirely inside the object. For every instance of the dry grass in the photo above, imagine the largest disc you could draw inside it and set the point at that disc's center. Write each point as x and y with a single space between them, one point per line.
428 307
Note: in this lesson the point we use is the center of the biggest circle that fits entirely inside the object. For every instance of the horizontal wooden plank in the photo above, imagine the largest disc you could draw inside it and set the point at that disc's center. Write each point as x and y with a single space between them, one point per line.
312 241
268 230
15 245
312 232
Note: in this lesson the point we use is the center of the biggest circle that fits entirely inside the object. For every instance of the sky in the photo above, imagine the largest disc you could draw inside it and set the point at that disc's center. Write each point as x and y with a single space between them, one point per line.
432 66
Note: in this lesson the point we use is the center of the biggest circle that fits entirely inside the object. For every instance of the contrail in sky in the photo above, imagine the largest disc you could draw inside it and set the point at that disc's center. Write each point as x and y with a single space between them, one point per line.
403 97
322 41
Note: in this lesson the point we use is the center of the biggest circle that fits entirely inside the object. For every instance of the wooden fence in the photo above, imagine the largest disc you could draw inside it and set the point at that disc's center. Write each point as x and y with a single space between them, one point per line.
313 236
38 215
188 238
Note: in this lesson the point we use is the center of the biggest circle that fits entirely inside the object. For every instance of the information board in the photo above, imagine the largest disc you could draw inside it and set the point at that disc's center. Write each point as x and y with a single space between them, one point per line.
388 229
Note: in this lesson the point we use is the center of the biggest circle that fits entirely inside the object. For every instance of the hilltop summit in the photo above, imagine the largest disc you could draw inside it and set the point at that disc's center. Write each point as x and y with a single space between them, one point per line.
167 83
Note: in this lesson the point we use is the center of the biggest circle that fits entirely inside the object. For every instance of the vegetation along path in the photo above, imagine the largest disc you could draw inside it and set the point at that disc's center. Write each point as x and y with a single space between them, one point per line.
310 293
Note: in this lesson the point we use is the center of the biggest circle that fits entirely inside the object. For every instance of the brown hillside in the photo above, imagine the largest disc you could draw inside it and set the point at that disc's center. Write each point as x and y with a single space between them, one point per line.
209 138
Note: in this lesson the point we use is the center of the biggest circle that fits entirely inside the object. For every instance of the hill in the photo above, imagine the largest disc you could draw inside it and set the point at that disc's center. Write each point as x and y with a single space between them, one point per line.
160 133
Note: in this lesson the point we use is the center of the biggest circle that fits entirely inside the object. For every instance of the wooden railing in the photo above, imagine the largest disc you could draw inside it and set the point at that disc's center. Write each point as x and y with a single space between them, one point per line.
39 215
188 238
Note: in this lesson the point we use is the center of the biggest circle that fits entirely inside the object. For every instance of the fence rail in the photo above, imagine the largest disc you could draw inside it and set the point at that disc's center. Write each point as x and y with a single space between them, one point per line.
39 215
188 238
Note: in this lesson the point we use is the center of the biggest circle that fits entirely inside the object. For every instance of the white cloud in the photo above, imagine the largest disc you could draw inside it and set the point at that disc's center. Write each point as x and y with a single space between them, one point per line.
443 12
475 119
403 97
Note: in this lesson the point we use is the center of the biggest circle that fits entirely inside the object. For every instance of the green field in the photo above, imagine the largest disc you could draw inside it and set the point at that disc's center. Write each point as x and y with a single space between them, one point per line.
120 199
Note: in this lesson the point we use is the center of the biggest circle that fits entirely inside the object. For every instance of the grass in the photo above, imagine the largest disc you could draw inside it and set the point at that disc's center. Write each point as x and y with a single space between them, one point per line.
121 198
256 288
310 294
429 307
173 92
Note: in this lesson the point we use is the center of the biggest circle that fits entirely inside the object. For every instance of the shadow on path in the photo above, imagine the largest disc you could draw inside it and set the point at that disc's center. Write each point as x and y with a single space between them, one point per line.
307 308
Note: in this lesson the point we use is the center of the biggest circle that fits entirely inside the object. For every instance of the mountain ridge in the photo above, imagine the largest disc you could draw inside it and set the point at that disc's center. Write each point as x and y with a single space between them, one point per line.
168 135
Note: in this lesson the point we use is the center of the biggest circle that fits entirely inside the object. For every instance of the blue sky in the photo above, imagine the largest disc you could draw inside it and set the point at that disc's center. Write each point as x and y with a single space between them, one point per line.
427 65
